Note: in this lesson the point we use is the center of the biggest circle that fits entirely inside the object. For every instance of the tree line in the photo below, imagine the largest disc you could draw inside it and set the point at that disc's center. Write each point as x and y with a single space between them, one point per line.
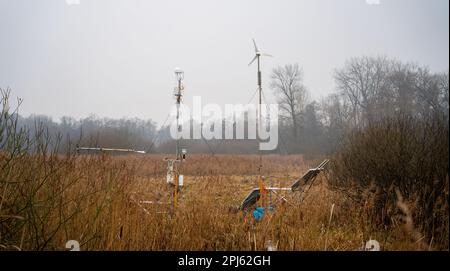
368 89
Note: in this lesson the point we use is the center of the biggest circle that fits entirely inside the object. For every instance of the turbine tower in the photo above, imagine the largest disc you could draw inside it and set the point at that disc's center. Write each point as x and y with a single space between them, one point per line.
257 57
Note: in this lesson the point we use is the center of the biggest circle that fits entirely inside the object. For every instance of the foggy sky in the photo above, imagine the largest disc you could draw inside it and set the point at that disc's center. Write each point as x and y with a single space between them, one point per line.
116 58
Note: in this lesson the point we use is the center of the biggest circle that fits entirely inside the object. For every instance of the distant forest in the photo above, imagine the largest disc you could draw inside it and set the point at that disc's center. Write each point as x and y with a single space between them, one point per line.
368 90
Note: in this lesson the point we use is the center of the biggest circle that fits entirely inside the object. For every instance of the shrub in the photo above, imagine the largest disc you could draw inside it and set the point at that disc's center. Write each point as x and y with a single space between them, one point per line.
404 153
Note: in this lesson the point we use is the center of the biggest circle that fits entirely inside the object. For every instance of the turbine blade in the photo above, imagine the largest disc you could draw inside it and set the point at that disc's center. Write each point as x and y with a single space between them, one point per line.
256 47
253 60
264 54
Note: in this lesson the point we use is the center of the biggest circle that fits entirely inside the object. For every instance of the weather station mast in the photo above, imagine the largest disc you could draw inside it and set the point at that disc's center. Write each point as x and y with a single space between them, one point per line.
179 75
174 166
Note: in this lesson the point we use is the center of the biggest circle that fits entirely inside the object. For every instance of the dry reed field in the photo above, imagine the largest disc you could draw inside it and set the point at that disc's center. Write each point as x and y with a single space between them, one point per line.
102 201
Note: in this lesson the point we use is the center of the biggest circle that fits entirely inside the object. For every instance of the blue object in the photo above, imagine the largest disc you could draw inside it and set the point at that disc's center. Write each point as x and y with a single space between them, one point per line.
258 213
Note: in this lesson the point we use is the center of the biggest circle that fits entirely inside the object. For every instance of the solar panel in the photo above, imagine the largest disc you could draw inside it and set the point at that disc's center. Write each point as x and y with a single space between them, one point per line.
251 199
254 195
308 177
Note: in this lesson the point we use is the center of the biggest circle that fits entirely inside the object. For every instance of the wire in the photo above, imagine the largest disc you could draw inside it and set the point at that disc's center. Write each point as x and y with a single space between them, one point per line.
253 96
213 152
157 136
305 192
281 138
217 147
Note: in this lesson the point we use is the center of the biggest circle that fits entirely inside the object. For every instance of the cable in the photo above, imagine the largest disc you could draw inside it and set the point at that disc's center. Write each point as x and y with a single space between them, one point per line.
213 152
281 138
253 96
157 136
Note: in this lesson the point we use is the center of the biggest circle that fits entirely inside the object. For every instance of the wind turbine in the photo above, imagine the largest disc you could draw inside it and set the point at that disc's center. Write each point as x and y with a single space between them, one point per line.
262 187
258 54
257 57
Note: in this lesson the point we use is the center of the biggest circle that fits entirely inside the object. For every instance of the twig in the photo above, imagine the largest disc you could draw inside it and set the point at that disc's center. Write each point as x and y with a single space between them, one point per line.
329 223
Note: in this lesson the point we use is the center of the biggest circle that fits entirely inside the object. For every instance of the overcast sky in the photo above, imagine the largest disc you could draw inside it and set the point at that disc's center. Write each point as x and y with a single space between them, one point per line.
115 58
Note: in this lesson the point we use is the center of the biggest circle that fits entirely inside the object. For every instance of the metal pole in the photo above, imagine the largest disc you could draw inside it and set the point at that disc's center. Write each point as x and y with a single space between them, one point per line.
178 115
258 125
259 113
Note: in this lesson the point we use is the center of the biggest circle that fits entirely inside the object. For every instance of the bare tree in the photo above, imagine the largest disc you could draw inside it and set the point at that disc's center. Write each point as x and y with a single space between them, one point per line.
401 93
363 81
432 91
443 82
336 117
287 83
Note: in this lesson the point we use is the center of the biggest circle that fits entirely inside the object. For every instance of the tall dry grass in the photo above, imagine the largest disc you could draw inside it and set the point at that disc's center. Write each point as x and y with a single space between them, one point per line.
100 202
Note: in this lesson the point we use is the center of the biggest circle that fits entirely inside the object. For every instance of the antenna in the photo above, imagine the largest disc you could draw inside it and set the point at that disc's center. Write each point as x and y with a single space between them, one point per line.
258 54
88 149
